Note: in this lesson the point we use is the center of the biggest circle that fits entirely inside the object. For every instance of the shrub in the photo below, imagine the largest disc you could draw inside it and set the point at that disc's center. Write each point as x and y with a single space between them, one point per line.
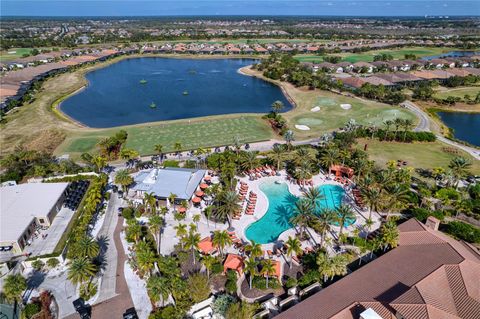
31 309
128 212
88 290
198 287
52 262
221 304
168 312
38 264
217 268
260 282
190 164
308 278
170 163
422 214
291 282
463 231
231 284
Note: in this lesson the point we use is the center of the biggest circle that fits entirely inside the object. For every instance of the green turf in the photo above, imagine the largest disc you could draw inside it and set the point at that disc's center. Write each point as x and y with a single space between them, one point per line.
19 52
459 92
201 133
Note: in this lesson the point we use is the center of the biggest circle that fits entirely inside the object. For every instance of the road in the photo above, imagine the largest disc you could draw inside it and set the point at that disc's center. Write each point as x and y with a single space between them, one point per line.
427 125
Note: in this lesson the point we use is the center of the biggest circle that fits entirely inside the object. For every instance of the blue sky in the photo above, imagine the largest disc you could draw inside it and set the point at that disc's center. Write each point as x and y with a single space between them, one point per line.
238 7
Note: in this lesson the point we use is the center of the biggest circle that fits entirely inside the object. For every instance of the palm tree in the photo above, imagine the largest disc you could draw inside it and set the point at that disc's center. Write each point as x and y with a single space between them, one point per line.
407 125
241 310
99 162
181 231
293 246
387 124
368 224
313 195
171 199
191 242
150 203
398 122
278 154
325 268
289 138
249 161
221 239
324 222
156 224
389 235
345 213
80 270
158 287
304 171
123 179
228 204
128 154
395 198
178 148
13 287
339 265
254 249
277 107
303 214
145 260
196 219
302 155
268 269
158 148
88 247
250 269
208 261
134 231
460 168
329 158
371 196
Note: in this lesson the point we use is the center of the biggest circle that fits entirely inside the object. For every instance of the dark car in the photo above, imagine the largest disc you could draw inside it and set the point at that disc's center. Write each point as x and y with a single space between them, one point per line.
83 309
130 313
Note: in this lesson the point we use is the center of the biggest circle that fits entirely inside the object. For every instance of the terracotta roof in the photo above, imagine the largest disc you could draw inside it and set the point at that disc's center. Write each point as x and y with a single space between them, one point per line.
353 82
206 245
429 275
234 262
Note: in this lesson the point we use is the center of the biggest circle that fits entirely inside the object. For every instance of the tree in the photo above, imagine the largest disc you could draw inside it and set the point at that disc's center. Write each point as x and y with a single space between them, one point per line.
324 222
158 287
171 199
277 107
389 235
13 287
150 202
123 179
293 247
228 203
158 148
268 269
303 214
407 125
371 197
156 224
251 269
52 262
241 310
181 231
325 268
254 249
345 213
278 154
191 242
128 154
249 161
145 258
99 162
221 239
208 261
87 246
178 148
459 167
196 219
313 195
38 264
289 138
329 158
80 270
198 287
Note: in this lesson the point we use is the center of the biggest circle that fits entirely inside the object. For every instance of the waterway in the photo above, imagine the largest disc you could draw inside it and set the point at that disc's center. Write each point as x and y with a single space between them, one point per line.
466 126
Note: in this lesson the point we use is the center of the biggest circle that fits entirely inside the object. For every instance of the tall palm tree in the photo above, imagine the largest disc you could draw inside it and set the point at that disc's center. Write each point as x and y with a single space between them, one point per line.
268 269
313 195
407 125
324 222
196 219
329 158
88 247
303 171
324 264
156 224
398 122
303 154
302 215
278 154
134 231
293 247
13 287
389 235
178 148
80 270
368 224
158 148
145 260
208 261
277 107
171 199
228 204
289 138
221 239
387 124
99 162
394 198
371 197
249 160
191 242
459 167
251 269
123 179
181 231
150 202
339 265
158 287
345 213
254 249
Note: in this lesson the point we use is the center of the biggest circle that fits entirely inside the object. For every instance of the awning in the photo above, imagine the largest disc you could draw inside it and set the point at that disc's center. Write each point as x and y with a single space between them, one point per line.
196 200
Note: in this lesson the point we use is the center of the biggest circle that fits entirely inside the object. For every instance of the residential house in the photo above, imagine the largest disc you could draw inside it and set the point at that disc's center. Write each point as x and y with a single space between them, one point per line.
363 67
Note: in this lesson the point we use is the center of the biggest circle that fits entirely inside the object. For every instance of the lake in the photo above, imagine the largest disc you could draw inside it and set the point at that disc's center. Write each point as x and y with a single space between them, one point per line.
466 126
451 54
140 90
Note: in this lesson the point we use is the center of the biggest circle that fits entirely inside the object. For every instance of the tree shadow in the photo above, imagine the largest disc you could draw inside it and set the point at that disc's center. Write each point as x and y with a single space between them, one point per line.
101 260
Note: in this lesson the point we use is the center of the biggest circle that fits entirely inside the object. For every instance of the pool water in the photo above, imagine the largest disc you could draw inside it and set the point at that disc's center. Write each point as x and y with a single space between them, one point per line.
281 207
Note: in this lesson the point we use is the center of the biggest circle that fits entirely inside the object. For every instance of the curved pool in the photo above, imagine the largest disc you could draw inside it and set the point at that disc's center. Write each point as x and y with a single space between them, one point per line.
281 205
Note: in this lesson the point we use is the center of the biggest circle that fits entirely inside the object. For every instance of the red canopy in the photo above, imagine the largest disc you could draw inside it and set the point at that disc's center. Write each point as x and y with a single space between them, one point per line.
203 186
182 209
196 200
199 193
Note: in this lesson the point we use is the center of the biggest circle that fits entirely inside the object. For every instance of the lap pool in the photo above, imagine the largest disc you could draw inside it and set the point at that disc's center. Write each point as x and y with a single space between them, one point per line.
281 204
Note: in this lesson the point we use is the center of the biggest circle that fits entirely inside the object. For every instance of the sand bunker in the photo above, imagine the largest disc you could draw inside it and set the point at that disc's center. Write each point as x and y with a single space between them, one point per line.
315 109
302 127
346 106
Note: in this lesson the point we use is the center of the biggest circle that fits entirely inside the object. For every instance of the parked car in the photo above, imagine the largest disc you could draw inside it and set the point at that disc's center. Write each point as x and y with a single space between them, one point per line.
84 310
130 313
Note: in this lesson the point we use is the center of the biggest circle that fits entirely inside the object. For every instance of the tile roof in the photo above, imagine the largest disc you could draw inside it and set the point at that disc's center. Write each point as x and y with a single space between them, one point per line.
429 275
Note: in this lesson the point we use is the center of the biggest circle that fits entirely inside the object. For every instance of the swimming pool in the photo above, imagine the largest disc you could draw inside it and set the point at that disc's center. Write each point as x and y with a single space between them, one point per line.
281 205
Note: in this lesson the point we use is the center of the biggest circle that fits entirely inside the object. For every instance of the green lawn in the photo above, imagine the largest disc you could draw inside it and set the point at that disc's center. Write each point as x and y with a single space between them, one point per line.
14 53
198 133
368 56
458 92
417 155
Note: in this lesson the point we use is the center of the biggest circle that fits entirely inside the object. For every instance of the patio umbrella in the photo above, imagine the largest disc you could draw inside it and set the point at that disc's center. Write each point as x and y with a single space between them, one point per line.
203 186
182 209
196 200
199 193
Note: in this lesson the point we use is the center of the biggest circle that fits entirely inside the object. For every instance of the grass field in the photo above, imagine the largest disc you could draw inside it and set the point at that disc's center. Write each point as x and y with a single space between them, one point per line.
197 133
458 92
331 116
417 155
14 53
368 56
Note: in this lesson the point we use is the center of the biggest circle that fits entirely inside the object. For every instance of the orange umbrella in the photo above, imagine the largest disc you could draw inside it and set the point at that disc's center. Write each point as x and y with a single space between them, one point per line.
203 186
182 209
207 178
199 193
196 200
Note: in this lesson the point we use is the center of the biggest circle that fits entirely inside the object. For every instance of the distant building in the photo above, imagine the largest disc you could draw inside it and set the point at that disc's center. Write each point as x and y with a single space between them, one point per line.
182 182
25 207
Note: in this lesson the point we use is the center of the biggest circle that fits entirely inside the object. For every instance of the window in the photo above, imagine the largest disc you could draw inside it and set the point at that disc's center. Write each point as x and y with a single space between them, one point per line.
41 220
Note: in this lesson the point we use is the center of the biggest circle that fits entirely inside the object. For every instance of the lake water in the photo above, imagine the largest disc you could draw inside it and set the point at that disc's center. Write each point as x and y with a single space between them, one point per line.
451 54
466 126
171 89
